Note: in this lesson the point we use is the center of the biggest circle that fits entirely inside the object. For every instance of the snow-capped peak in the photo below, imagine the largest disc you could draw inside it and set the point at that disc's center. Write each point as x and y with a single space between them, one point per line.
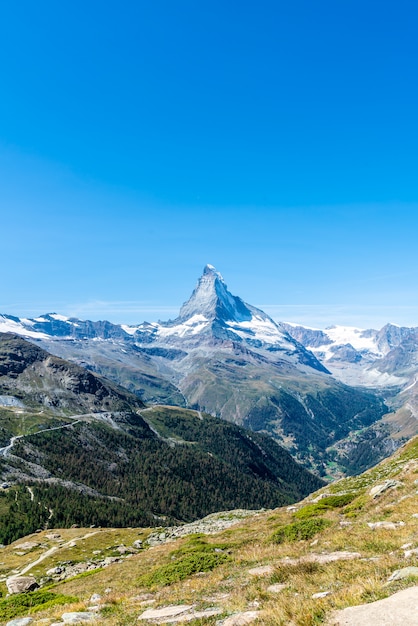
212 299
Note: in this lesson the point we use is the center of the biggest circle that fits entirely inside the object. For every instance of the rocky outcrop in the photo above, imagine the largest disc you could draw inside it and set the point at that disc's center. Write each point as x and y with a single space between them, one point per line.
21 584
398 610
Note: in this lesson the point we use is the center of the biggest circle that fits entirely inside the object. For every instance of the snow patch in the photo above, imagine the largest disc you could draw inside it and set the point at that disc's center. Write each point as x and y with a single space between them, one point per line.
60 318
194 325
10 326
261 329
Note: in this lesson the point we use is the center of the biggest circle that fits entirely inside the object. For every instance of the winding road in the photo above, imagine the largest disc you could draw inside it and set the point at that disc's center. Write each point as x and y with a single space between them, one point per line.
5 451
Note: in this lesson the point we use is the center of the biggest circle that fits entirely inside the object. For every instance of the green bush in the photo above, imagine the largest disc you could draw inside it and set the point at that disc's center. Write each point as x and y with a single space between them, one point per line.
22 603
300 530
195 556
330 502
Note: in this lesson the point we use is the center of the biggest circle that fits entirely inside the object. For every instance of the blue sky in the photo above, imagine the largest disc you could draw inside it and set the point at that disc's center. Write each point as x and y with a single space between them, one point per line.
275 140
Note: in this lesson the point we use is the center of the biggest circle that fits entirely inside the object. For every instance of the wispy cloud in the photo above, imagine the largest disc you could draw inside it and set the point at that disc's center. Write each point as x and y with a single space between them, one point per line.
323 315
124 311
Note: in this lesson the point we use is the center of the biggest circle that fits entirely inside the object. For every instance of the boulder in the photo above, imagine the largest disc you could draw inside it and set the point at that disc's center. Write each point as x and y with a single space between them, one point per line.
78 616
27 545
405 572
398 610
385 525
20 621
168 611
21 584
241 619
377 491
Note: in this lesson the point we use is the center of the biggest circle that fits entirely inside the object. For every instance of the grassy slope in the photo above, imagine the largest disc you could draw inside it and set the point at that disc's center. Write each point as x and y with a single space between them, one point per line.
252 543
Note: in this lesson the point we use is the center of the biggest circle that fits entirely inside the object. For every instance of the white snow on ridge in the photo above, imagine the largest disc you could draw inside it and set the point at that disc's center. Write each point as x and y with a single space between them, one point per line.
61 318
130 330
10 326
259 328
192 326
343 335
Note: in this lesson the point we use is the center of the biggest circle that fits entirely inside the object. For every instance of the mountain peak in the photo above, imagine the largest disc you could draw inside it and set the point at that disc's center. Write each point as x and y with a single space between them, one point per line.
210 270
212 299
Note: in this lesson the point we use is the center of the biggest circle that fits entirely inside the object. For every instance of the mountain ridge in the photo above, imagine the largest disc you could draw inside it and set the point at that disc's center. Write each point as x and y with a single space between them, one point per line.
229 359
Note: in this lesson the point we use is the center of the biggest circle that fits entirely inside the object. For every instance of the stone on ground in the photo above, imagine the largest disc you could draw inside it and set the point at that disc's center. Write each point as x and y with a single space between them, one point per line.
262 570
276 588
398 610
405 572
168 611
241 619
78 616
21 584
21 621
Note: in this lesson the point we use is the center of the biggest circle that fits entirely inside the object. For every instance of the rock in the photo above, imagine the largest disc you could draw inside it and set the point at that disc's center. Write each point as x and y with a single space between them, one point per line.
329 557
27 545
168 611
241 619
123 549
398 610
21 621
78 616
54 571
21 584
194 615
72 544
96 597
405 572
263 570
276 588
320 594
409 553
385 525
377 491
137 544
53 536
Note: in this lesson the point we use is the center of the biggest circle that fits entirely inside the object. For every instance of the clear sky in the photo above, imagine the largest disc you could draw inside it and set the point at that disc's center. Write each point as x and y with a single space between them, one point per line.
278 141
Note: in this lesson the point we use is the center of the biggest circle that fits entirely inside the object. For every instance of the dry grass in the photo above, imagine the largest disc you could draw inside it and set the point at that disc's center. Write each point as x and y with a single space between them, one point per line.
231 587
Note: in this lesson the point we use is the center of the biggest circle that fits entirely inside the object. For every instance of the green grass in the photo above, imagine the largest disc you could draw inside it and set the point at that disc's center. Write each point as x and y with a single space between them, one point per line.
194 556
330 502
300 530
21 604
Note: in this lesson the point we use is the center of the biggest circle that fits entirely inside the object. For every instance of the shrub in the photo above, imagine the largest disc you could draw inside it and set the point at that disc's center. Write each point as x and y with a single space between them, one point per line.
194 556
330 502
22 603
300 530
183 567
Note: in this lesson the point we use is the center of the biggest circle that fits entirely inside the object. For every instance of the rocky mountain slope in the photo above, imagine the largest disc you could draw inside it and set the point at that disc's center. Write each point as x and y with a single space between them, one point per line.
384 360
87 451
351 544
231 360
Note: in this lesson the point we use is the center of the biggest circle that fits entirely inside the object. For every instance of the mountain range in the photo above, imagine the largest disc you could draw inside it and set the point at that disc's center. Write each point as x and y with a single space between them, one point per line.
334 403
97 455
